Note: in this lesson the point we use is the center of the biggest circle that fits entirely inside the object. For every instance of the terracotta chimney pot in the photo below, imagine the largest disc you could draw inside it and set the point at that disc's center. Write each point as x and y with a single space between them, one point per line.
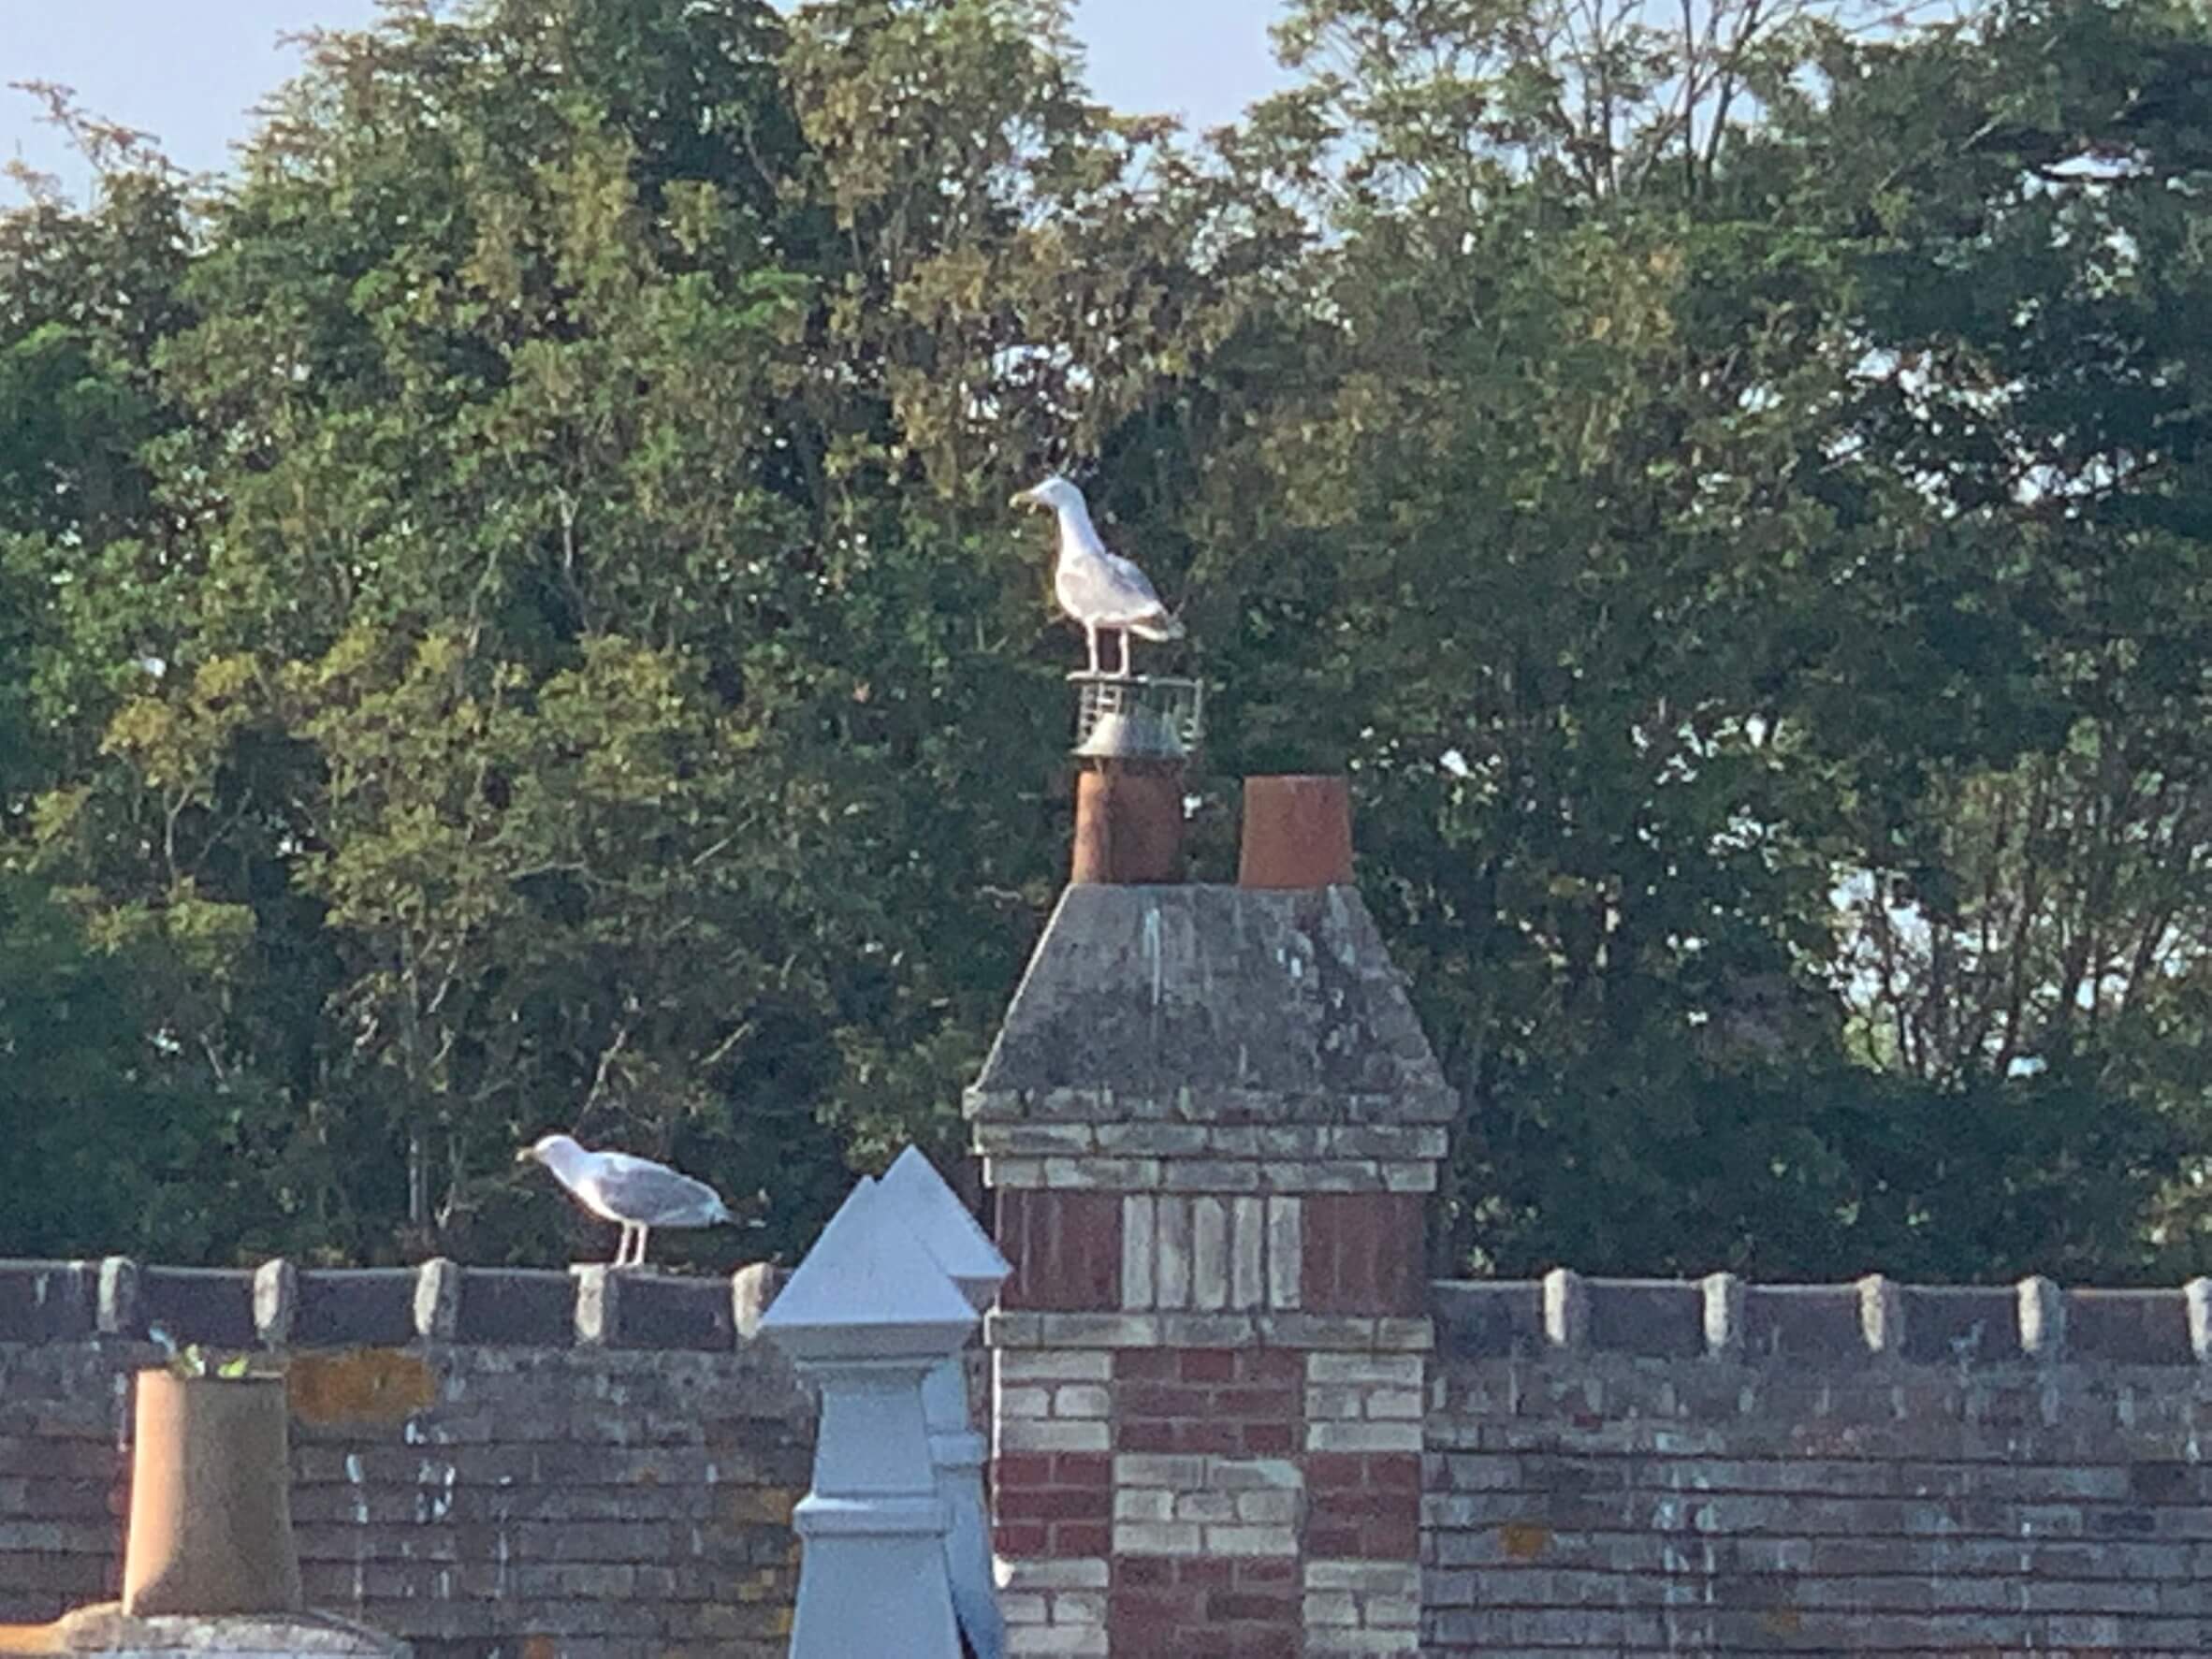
1298 832
210 1528
1129 824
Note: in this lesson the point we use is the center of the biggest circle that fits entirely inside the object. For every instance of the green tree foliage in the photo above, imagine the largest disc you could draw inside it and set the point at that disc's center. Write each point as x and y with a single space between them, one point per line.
595 698
102 1135
510 620
1641 524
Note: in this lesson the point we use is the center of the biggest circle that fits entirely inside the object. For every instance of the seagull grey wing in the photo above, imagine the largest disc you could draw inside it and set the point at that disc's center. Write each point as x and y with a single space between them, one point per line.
1086 589
1102 589
637 1189
1133 583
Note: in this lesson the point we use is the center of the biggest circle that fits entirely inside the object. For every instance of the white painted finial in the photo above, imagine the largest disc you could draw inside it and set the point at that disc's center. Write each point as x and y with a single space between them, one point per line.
866 1316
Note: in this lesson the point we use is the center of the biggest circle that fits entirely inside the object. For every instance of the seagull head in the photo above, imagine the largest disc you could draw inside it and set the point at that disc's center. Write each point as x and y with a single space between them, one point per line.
544 1149
1055 494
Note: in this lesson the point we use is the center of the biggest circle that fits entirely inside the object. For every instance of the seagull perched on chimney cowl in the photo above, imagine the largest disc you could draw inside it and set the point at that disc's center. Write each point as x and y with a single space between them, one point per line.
1094 585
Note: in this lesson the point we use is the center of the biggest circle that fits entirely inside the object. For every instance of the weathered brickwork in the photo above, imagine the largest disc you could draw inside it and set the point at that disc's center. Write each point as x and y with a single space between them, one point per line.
592 1476
1362 1606
1064 1247
1210 1125
1207 1504
1245 1609
1645 1469
1262 1495
1363 1253
1364 1402
1366 1505
1056 1605
1237 1252
1635 1469
1223 1402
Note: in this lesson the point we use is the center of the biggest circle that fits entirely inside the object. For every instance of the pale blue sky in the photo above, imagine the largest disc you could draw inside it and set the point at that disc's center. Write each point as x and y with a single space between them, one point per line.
189 70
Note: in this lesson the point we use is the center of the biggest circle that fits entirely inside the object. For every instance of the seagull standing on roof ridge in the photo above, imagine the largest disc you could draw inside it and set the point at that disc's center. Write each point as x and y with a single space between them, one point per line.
1096 586
636 1193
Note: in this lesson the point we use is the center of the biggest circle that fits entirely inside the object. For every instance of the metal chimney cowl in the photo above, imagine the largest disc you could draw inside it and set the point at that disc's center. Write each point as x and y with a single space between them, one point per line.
1133 738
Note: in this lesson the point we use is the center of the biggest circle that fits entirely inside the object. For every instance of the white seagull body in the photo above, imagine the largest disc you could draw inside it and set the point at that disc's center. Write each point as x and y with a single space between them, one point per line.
1096 586
636 1193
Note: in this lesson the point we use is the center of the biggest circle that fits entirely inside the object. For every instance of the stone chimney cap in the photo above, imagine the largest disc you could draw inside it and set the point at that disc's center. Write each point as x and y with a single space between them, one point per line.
1286 999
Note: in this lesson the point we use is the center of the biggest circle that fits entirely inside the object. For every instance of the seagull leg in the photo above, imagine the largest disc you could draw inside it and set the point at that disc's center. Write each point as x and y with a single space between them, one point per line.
1090 635
643 1234
1124 653
622 1248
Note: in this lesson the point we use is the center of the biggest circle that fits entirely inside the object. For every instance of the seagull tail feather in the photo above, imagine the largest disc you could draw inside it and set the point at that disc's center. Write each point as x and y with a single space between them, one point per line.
1164 626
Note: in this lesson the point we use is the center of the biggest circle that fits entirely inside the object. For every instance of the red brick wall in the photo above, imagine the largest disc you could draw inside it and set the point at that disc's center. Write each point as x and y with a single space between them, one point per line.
1241 1402
1207 1609
1064 1247
1208 1403
1363 1505
1057 1503
1365 1253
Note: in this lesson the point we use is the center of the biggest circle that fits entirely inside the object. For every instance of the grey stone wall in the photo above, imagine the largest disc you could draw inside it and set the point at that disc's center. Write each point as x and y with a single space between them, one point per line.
554 1470
1657 1468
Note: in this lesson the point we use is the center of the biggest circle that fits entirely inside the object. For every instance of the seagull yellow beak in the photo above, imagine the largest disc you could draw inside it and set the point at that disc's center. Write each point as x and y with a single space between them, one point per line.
525 1155
1027 498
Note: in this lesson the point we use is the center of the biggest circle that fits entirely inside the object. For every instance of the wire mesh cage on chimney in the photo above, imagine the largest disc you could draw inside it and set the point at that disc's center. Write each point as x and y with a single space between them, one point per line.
1138 718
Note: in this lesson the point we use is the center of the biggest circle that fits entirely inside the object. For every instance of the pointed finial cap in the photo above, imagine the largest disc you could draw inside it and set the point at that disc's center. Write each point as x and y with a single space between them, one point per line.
913 1191
869 1288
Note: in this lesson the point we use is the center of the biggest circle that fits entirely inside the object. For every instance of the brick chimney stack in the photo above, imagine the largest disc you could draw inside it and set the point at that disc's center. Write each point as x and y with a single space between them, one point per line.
1211 1124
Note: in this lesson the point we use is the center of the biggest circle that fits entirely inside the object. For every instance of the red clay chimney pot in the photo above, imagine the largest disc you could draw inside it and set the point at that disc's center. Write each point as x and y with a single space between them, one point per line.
1129 824
1298 832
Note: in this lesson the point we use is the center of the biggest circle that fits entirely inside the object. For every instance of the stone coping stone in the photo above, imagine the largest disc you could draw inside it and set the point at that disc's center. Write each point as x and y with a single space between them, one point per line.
53 1303
1489 1316
213 1306
1812 1324
2129 1327
47 1301
1826 1326
663 1311
524 1307
1961 1324
354 1307
1661 1319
